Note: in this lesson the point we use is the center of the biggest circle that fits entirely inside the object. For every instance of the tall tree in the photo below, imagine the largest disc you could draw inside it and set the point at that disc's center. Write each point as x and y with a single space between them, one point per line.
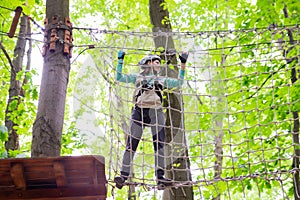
175 134
15 89
17 106
295 76
47 128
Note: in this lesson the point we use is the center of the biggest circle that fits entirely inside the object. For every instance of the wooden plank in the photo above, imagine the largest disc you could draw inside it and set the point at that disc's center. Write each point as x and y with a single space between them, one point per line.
37 168
78 165
80 173
17 175
4 167
100 173
46 161
79 180
41 184
96 191
63 178
76 198
94 172
5 179
38 175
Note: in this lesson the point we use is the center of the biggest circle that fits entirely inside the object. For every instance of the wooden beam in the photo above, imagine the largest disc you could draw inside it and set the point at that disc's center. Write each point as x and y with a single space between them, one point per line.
60 175
17 175
95 178
68 193
57 178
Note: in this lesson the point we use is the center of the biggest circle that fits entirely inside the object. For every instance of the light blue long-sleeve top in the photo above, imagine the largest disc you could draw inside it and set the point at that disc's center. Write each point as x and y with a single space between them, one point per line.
131 78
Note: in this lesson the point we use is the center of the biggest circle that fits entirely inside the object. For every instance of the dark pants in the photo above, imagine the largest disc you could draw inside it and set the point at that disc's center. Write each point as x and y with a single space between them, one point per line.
140 118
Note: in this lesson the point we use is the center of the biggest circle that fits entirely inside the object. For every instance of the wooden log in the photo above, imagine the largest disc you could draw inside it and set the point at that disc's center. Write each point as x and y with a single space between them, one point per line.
17 174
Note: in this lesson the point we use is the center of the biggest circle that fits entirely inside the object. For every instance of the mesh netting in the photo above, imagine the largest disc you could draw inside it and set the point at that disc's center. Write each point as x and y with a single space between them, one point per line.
231 129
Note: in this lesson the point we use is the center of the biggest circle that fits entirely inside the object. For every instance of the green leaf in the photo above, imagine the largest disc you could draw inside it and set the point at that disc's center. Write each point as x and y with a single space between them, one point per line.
3 133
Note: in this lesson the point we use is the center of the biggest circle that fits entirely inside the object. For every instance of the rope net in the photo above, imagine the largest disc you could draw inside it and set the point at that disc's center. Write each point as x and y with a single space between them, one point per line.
231 129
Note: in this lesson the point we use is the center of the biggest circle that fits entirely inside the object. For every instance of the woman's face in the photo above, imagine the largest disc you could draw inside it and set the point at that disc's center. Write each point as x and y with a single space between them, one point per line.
155 64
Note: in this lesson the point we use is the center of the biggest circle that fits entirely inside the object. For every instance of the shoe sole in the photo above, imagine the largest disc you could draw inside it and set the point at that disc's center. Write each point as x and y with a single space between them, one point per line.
119 182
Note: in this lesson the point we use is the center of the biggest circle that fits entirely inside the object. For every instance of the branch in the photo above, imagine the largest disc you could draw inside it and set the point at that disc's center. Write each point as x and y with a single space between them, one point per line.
28 65
291 41
197 96
266 80
7 56
104 76
4 63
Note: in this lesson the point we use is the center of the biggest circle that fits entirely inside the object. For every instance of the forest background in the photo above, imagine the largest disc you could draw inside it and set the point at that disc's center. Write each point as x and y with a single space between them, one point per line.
87 113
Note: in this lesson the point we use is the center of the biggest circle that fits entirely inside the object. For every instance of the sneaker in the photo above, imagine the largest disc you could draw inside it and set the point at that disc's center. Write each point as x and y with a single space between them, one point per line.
119 180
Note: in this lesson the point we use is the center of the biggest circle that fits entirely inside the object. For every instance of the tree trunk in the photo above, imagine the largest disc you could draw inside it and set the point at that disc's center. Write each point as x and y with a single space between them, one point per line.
178 166
47 128
218 135
15 88
295 136
219 101
295 131
296 143
296 155
28 64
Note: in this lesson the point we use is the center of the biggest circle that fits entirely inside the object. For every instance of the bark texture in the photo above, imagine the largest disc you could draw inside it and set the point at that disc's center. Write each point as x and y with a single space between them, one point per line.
178 164
15 88
47 128
295 131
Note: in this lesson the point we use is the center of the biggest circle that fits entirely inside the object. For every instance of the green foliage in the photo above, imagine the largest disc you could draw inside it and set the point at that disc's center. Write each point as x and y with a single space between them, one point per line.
71 140
23 109
3 133
295 97
3 138
248 95
16 154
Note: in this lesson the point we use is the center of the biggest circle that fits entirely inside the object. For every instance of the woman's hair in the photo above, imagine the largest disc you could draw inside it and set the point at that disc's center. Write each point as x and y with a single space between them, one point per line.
144 64
147 58
145 71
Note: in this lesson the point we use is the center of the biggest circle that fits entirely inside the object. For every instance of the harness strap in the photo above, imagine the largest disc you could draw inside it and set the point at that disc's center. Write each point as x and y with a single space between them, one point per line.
145 86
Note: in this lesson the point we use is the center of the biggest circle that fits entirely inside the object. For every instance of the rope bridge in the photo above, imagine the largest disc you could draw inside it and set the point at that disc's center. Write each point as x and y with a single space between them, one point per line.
238 110
234 129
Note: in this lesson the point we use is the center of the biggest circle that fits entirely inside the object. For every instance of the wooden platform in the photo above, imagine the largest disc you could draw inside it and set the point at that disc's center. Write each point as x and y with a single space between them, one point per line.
62 178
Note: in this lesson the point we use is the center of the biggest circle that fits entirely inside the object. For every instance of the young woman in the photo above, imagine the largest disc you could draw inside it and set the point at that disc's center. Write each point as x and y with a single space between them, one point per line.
148 111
